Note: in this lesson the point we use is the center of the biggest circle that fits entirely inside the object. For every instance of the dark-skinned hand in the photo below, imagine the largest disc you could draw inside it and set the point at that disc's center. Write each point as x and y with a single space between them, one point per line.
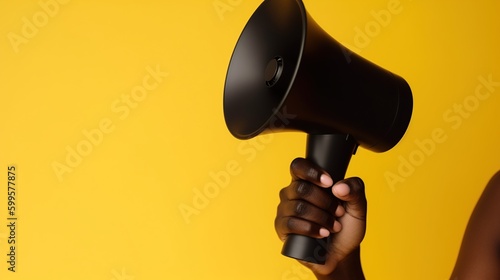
306 208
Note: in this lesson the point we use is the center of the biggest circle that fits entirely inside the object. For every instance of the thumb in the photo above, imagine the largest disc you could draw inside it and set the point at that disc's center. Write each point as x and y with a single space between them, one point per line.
352 192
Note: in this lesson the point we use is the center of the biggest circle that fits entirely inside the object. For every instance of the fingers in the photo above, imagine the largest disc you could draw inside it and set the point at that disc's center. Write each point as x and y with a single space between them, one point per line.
302 169
301 217
307 206
293 225
303 190
313 214
352 192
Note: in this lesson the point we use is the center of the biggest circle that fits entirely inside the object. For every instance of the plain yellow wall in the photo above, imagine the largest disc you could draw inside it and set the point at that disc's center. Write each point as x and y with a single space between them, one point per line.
112 114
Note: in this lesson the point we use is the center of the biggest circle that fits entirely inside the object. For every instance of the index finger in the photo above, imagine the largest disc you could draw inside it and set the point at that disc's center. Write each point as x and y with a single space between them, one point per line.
303 169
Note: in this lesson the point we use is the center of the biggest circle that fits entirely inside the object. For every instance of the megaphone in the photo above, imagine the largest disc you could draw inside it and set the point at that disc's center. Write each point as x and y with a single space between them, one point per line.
288 74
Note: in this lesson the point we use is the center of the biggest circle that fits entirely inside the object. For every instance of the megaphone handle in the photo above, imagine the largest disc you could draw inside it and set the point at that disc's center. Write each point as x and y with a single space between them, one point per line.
332 152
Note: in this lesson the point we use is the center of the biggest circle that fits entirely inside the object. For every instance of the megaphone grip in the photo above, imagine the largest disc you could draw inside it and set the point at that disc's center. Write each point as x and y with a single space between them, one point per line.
332 152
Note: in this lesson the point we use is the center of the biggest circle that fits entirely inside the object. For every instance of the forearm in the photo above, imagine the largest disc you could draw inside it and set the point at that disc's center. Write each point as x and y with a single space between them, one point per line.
479 254
348 269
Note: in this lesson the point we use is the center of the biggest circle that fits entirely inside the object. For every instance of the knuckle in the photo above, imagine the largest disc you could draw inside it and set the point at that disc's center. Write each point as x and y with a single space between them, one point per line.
280 228
313 173
296 164
277 223
359 183
279 210
303 189
291 224
282 193
300 208
295 225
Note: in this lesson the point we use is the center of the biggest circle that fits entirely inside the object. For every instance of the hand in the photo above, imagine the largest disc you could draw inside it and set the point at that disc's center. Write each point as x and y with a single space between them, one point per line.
306 209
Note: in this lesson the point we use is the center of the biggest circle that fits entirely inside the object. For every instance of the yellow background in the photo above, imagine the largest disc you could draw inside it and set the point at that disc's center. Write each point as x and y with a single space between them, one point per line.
117 215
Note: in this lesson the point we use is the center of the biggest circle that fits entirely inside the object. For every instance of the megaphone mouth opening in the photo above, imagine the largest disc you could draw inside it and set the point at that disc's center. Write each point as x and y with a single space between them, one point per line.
263 66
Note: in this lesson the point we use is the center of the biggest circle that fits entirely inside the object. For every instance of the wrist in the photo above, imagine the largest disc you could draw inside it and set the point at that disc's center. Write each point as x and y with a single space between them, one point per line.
348 269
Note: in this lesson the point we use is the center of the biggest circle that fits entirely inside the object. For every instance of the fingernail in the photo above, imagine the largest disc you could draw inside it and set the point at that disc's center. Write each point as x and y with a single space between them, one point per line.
324 232
326 180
